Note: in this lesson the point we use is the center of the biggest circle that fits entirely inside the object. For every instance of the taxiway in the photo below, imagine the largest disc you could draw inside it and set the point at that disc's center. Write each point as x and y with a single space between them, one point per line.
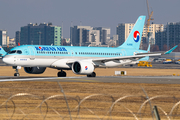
103 79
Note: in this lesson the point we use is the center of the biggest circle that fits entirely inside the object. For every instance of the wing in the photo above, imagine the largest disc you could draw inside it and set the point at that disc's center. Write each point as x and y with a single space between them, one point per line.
134 57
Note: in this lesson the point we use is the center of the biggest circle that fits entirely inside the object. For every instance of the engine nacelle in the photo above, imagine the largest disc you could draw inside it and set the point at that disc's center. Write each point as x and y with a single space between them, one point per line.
82 67
34 70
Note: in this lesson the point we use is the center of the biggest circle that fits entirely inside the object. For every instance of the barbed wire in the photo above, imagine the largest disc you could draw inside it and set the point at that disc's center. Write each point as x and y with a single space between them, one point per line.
93 106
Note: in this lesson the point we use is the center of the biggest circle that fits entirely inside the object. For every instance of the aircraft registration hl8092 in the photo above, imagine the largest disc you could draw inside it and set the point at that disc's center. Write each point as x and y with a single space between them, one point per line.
81 60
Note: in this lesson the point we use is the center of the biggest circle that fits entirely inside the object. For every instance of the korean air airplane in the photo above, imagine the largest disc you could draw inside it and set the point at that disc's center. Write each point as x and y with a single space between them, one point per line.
81 60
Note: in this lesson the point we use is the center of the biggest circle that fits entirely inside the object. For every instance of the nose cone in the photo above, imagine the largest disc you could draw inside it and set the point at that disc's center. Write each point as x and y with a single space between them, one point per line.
8 60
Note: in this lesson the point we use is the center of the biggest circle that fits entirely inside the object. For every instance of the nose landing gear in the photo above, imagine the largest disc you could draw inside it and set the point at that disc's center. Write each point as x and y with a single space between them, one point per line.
17 72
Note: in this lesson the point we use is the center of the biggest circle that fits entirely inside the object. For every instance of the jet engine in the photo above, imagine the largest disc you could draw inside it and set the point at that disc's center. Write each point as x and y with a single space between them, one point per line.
34 70
82 67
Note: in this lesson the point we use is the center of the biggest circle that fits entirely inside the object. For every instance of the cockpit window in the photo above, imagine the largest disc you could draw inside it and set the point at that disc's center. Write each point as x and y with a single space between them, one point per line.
11 52
15 51
19 51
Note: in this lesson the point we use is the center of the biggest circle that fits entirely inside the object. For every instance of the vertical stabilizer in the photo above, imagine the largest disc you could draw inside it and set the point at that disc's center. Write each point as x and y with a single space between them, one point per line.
134 39
2 52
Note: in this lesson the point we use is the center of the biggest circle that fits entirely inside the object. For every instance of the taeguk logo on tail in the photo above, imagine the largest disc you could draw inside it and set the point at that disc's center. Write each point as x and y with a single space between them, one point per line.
136 36
86 67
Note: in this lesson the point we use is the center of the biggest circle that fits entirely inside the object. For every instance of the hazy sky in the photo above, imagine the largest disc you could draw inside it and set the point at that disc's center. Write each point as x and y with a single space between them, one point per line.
96 13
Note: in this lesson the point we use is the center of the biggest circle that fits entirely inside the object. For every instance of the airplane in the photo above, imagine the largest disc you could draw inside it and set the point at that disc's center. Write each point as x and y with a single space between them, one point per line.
81 60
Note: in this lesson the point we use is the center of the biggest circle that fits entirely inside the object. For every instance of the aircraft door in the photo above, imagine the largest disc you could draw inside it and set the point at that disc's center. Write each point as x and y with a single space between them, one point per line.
31 53
123 52
72 53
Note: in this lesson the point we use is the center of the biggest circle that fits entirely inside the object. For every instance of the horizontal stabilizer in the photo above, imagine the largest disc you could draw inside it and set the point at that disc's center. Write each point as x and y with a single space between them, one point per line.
2 52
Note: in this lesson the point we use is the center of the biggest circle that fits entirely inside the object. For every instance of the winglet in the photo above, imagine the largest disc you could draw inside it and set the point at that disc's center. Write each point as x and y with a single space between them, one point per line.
2 52
168 52
149 48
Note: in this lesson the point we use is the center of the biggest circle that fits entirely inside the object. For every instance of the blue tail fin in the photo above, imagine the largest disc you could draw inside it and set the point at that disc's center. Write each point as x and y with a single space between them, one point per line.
2 52
134 39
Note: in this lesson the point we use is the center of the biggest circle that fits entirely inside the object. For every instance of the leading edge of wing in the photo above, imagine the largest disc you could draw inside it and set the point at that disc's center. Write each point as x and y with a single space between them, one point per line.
134 57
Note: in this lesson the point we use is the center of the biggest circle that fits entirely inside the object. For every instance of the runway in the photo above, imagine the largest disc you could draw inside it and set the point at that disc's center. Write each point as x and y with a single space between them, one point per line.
103 79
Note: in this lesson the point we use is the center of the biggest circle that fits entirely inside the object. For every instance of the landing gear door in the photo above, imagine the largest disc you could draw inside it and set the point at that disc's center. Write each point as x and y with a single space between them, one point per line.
31 53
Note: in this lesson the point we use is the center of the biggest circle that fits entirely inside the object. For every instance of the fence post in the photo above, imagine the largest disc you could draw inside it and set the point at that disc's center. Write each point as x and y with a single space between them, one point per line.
147 97
156 113
65 100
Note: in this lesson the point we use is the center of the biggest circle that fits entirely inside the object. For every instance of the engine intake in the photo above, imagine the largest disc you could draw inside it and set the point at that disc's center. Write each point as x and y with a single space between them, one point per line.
82 67
34 70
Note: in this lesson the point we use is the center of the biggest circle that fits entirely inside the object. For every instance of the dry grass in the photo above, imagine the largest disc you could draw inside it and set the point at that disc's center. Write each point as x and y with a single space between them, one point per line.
99 104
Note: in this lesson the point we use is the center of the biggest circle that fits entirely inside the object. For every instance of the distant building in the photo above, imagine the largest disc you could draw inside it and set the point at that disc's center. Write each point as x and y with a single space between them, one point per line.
89 36
42 34
153 28
79 35
169 37
104 34
3 37
66 42
17 37
95 38
11 42
7 40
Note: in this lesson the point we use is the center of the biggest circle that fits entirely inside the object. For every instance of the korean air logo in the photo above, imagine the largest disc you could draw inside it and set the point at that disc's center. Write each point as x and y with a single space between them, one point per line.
86 68
50 48
136 36
0 47
40 48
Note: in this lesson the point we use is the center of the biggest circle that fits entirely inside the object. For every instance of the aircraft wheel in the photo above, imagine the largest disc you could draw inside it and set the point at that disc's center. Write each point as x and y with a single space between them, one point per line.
92 75
16 74
61 74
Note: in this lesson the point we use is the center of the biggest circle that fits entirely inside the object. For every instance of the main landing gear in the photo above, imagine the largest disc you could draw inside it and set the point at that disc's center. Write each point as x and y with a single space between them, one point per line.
61 74
16 69
93 74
